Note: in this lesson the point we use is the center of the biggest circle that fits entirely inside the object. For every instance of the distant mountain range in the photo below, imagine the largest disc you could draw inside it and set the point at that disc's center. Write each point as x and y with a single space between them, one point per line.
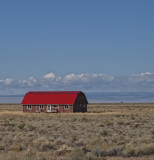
120 97
99 97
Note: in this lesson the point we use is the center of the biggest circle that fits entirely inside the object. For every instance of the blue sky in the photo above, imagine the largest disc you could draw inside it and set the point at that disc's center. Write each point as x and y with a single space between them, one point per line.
81 38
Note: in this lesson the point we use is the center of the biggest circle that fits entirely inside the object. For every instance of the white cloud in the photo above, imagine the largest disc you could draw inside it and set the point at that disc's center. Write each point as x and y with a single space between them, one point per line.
84 81
32 80
85 78
88 82
49 76
145 74
143 77
28 83
8 81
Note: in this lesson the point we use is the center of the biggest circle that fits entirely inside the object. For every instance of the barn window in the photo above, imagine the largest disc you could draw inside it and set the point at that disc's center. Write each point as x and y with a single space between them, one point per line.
41 106
29 107
66 106
55 106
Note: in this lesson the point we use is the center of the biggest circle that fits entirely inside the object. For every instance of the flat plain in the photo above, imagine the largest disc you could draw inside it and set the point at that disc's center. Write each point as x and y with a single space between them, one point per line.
106 132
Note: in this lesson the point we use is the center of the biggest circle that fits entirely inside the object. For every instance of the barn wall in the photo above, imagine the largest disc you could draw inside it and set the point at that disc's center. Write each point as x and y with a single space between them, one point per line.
80 108
69 110
80 103
81 99
36 108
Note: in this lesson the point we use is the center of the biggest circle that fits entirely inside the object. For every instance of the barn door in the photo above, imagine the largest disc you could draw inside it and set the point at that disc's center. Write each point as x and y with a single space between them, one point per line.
49 108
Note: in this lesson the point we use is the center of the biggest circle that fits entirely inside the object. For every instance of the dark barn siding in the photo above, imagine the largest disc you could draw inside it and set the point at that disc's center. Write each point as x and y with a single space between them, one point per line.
80 103
80 108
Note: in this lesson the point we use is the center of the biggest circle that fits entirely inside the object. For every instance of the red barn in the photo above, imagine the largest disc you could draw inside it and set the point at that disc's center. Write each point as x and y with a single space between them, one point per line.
57 101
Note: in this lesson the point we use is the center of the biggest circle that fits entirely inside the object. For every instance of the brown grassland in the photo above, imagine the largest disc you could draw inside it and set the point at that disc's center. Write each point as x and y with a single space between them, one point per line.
105 132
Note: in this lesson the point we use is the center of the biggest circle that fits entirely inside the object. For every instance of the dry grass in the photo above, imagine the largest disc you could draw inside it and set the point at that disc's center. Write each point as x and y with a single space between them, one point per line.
107 131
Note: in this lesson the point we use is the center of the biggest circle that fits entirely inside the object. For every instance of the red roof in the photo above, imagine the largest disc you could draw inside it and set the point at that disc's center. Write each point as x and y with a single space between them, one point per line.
55 97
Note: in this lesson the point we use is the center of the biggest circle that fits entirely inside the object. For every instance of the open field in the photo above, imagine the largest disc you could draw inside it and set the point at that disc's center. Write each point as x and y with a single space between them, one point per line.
106 132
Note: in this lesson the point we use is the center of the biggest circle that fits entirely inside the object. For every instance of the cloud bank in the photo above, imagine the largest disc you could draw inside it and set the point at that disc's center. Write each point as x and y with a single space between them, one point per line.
85 82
